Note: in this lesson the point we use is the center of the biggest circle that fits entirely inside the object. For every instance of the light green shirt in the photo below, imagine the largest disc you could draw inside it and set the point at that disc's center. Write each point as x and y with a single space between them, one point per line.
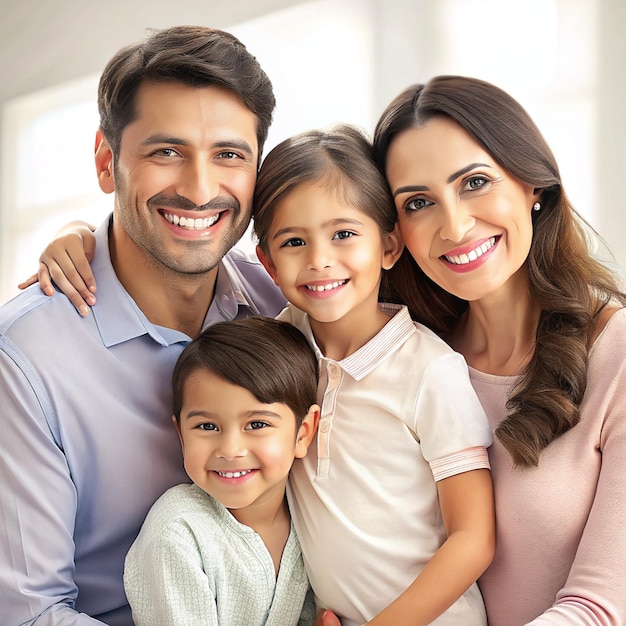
194 564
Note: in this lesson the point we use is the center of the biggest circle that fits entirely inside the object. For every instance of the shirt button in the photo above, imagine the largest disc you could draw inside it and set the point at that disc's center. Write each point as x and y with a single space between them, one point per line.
324 426
333 370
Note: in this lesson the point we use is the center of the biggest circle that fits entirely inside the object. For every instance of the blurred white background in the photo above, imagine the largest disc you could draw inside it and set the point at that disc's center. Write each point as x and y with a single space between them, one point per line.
329 61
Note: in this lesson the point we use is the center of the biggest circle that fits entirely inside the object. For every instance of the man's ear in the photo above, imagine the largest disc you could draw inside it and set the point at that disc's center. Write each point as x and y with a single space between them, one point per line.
268 264
104 163
394 244
307 431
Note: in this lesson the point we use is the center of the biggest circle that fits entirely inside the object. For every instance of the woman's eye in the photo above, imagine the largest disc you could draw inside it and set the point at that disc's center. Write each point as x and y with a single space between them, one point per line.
417 204
477 182
344 234
292 243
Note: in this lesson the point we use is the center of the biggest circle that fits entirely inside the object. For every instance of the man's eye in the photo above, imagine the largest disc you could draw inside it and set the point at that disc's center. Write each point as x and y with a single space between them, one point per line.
229 155
165 152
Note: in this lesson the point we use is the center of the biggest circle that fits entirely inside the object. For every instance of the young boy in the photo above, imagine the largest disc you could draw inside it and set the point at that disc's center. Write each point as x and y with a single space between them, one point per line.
222 550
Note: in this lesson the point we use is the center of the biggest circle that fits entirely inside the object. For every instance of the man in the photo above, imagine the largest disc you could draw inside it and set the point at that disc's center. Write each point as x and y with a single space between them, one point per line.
86 442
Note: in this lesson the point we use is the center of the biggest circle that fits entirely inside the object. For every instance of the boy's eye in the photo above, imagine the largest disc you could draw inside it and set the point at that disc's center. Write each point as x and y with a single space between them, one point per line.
206 426
257 424
292 243
344 234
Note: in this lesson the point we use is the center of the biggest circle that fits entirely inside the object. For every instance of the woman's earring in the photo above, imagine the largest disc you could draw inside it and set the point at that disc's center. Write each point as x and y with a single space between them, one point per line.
536 206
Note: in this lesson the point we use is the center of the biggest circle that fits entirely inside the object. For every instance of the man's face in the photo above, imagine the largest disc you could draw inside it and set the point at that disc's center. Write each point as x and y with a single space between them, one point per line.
185 175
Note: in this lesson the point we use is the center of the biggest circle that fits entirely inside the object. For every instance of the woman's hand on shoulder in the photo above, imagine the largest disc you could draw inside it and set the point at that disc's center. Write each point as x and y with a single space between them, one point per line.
66 261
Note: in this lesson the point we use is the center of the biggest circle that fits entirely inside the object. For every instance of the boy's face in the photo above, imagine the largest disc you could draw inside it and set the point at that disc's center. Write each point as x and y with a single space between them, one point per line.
237 449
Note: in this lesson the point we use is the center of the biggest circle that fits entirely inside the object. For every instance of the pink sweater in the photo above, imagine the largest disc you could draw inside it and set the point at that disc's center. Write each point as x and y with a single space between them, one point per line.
561 527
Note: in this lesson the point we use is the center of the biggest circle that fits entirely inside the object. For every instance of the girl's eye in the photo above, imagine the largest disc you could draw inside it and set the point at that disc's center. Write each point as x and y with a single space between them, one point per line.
292 243
344 234
206 426
257 424
417 204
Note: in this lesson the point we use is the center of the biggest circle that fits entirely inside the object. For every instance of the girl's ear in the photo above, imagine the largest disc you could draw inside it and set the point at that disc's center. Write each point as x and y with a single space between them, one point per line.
104 164
307 431
394 244
268 264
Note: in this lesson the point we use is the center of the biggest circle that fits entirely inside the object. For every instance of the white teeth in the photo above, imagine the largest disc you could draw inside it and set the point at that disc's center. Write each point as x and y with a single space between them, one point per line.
327 287
463 259
233 474
190 223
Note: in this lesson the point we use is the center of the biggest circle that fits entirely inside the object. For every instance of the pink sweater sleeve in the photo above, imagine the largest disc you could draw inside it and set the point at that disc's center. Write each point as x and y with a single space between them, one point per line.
561 527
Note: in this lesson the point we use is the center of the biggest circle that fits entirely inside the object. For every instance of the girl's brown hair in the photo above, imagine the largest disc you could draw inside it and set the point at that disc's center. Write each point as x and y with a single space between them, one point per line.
570 286
342 158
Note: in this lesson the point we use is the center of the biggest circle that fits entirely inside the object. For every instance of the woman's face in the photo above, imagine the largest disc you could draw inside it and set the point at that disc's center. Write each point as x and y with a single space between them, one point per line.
464 218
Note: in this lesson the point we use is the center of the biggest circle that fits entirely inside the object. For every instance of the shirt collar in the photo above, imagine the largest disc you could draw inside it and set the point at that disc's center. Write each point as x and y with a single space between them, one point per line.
230 294
116 314
368 357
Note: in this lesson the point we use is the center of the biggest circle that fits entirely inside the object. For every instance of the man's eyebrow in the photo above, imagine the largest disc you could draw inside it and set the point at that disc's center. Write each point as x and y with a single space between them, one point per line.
450 179
235 144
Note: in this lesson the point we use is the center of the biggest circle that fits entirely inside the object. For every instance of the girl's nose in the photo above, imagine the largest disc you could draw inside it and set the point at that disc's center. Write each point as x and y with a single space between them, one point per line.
320 256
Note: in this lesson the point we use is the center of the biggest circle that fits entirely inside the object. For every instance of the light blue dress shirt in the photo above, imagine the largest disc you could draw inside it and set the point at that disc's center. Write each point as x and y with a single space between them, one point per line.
86 440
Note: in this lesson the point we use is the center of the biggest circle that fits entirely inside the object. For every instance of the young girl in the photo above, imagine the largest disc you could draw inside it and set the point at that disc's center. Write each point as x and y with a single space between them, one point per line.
244 407
393 505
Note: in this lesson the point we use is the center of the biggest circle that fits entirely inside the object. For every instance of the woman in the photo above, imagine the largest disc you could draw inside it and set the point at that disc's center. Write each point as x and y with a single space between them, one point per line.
496 261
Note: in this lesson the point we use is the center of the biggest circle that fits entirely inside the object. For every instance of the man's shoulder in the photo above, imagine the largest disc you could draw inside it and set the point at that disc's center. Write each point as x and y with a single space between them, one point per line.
30 307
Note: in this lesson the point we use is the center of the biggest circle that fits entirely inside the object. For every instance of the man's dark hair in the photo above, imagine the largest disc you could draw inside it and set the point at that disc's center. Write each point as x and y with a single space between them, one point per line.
195 55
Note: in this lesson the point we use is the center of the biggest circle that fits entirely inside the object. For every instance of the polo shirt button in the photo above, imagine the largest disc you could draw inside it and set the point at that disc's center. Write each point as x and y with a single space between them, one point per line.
324 426
334 370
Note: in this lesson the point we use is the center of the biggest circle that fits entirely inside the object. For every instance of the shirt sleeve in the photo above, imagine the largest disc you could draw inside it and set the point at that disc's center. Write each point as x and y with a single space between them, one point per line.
165 581
449 417
37 505
595 590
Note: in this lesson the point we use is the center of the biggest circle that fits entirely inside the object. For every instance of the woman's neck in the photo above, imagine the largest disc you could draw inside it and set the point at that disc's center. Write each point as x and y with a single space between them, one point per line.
497 334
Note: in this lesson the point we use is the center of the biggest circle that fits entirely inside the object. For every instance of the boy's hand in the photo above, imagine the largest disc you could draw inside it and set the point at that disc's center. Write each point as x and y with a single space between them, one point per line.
326 618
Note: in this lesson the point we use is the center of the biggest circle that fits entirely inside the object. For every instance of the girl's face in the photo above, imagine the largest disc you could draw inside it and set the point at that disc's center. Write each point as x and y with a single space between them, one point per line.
464 218
326 255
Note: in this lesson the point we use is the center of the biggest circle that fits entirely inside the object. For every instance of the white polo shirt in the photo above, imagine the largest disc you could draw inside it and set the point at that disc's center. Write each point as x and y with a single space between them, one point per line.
397 415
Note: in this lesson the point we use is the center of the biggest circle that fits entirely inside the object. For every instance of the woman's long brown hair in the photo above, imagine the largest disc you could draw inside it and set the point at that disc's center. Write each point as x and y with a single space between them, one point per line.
569 285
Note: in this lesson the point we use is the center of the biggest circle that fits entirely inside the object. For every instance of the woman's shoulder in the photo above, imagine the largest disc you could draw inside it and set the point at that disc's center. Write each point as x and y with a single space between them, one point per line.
610 325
